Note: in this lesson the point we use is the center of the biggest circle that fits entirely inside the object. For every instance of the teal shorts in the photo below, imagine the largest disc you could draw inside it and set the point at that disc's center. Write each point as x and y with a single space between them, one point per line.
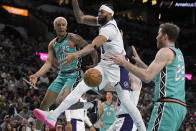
166 116
67 80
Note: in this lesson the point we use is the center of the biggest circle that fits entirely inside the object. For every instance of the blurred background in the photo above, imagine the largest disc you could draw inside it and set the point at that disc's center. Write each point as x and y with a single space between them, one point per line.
26 28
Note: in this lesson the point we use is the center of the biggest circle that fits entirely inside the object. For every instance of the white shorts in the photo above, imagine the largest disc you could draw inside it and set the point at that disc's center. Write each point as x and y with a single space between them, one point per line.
122 123
77 125
135 96
114 75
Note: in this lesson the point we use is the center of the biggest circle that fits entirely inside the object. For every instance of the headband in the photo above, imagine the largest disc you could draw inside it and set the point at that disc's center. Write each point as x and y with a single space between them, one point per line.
106 8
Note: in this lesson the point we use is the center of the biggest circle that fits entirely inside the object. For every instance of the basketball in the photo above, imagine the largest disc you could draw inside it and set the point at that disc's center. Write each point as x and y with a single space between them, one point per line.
92 77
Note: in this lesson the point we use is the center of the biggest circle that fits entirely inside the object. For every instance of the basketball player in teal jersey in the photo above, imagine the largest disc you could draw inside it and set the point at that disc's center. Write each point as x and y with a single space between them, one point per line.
107 112
68 77
168 72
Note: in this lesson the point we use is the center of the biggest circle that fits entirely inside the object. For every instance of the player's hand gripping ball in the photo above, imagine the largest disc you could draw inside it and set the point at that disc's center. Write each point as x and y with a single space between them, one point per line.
92 77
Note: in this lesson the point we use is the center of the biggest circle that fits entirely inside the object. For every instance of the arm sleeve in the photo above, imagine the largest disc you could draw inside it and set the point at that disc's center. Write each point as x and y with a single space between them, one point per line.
109 32
87 120
68 115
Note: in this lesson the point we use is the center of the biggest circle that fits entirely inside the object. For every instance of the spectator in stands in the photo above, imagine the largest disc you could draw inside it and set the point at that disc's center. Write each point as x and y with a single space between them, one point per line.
5 123
25 113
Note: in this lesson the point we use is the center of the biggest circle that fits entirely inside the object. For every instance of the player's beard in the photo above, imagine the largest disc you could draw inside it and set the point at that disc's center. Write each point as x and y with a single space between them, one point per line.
102 21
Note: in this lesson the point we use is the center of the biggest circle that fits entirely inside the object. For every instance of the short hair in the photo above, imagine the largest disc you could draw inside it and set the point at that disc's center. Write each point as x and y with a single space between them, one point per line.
171 30
6 116
58 18
109 92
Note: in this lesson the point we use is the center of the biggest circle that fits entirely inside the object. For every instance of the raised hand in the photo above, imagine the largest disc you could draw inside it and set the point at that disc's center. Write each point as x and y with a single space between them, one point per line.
70 57
137 59
118 59
101 124
92 128
33 79
69 126
135 55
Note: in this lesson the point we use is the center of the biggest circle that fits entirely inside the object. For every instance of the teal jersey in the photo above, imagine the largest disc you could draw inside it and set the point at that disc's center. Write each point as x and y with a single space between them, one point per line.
109 113
66 46
170 82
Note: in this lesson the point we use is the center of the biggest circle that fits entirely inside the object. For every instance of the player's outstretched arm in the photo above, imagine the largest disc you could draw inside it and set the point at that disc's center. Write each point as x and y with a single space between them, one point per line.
164 57
70 57
81 18
48 64
68 118
88 122
137 59
100 115
135 82
78 40
46 67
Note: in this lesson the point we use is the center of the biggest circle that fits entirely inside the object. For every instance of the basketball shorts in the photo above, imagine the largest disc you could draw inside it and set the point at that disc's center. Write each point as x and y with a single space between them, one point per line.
114 76
122 123
77 125
166 116
67 80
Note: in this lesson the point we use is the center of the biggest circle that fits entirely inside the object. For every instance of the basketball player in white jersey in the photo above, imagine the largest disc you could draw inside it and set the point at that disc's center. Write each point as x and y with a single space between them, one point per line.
76 119
123 120
109 39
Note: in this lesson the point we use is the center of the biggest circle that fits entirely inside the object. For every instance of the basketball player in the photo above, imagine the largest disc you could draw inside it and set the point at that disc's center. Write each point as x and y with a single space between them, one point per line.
168 72
123 120
68 77
107 112
76 119
109 39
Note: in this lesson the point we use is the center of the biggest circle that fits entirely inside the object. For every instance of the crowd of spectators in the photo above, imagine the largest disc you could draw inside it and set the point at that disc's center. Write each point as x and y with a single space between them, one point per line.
18 60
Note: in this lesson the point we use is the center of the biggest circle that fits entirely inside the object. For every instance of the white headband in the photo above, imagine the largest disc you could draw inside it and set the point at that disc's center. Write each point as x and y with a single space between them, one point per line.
106 8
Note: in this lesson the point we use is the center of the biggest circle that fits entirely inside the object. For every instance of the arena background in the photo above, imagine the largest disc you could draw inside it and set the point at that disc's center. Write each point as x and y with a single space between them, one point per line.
26 29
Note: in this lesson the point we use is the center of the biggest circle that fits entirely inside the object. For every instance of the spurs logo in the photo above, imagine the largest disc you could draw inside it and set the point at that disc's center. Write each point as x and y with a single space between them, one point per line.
67 48
126 84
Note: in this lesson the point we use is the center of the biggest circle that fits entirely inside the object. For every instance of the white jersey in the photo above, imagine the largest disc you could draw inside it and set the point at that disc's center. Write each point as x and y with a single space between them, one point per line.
79 113
114 41
117 75
110 72
134 95
78 118
122 121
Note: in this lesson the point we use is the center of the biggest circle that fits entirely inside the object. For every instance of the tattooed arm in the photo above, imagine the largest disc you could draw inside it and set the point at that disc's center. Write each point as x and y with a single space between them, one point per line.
77 40
81 18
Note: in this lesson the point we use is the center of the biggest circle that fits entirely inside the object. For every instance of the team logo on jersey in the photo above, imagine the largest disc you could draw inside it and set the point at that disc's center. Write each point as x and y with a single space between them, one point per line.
126 84
112 108
105 109
57 49
67 48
